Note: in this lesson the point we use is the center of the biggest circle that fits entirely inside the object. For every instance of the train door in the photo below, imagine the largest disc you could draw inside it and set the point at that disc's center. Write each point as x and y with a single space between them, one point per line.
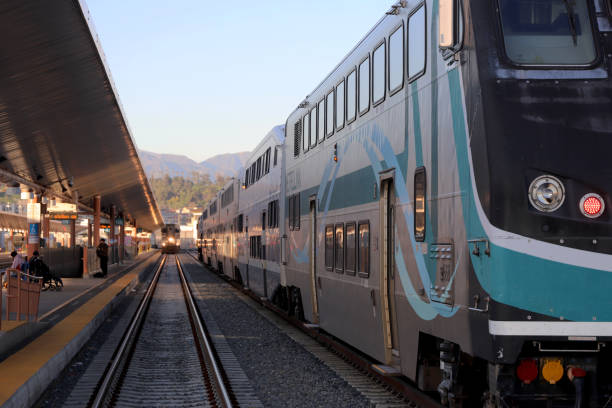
388 268
313 259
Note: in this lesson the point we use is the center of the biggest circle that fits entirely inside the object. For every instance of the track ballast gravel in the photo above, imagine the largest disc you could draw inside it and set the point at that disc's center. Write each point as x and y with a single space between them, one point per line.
282 373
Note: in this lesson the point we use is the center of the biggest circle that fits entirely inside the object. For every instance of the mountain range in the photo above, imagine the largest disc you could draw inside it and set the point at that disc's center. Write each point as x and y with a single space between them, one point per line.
157 165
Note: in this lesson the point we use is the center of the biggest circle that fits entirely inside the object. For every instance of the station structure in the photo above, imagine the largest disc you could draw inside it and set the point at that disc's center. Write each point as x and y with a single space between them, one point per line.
69 157
64 138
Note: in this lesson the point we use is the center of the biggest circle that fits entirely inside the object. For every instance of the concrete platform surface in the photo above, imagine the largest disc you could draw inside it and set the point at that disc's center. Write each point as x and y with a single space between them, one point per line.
33 353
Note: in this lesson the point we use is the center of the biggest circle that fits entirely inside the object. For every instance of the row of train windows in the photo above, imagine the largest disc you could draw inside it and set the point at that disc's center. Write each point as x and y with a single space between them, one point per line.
227 197
213 208
347 248
260 168
257 250
365 84
272 215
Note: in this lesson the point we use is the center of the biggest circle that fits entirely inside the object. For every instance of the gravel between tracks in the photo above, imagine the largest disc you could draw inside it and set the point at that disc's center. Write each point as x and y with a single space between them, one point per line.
282 373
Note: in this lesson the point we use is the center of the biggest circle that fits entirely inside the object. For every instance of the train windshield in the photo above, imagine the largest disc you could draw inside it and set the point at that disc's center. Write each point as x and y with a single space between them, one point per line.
547 32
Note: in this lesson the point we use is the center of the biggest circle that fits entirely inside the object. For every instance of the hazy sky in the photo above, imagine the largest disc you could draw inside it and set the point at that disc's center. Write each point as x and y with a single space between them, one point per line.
201 77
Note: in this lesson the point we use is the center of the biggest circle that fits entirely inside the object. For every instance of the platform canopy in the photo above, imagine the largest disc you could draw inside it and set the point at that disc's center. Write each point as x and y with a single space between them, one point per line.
61 121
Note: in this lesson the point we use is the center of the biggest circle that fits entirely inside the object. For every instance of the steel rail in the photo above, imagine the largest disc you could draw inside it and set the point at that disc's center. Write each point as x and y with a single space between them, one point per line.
105 390
205 346
409 391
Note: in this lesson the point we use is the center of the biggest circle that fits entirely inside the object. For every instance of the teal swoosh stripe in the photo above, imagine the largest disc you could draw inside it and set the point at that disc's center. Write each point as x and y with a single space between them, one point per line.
518 279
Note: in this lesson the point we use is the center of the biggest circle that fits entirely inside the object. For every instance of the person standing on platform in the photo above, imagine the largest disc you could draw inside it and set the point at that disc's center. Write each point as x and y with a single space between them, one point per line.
102 252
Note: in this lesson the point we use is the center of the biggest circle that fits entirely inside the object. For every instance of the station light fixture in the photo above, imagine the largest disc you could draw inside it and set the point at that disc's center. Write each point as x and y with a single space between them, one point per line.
592 205
546 193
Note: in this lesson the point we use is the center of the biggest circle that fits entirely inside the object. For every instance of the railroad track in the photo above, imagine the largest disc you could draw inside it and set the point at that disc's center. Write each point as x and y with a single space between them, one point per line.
410 394
165 357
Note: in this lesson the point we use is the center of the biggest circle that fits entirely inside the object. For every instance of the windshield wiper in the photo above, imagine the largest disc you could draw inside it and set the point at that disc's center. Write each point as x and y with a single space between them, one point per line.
572 22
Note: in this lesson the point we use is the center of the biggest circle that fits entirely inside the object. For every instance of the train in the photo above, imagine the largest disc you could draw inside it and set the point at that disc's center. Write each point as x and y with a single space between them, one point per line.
171 239
440 202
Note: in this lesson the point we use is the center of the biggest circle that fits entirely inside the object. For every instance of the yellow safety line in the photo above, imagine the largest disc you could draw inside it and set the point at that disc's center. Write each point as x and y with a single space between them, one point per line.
21 366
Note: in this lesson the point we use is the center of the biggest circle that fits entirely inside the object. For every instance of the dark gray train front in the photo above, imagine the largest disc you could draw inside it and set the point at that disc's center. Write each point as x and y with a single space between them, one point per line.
539 108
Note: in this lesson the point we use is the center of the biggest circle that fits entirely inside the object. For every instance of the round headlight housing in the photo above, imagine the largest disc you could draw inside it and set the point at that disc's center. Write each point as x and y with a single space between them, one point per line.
546 193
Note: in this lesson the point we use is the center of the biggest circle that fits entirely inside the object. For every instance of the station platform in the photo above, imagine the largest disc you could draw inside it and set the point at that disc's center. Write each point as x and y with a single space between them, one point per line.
33 353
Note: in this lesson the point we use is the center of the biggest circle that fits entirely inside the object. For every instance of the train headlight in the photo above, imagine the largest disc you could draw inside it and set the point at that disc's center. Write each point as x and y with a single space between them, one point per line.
171 239
592 205
546 193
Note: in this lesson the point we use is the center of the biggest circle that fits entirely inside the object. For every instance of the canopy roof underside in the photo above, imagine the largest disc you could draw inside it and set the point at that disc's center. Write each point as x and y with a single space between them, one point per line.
60 116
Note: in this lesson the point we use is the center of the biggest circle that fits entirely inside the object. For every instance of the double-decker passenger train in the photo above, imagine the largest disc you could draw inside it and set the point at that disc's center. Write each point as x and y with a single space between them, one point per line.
444 202
171 238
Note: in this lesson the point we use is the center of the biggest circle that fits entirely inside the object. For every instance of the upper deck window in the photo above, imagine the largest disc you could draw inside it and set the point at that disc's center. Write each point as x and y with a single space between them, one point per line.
378 74
547 32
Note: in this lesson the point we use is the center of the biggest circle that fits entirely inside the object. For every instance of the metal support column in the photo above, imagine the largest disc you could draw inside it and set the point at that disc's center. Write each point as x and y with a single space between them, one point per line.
112 237
96 226
72 233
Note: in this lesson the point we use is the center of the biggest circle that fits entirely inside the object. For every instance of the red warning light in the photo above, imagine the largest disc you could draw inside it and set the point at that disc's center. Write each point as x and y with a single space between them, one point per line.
592 205
527 371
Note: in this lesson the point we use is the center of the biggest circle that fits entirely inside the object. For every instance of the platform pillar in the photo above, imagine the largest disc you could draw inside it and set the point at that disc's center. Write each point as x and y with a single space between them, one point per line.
96 224
72 233
33 236
113 241
89 234
121 240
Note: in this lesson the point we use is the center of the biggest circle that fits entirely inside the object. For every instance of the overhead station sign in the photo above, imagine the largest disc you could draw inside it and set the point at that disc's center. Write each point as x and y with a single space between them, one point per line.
63 211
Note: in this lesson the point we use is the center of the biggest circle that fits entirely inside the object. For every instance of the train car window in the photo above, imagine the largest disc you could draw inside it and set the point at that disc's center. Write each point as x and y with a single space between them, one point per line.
609 7
339 248
240 222
420 201
340 105
258 168
363 263
417 35
329 247
268 160
253 168
555 32
396 60
351 96
275 155
290 212
313 127
329 114
263 221
351 248
364 86
321 119
378 74
306 132
447 31
246 178
297 135
296 212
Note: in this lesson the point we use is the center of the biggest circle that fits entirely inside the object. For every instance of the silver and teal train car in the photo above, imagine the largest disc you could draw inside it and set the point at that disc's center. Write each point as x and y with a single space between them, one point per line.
225 230
210 224
446 200
257 221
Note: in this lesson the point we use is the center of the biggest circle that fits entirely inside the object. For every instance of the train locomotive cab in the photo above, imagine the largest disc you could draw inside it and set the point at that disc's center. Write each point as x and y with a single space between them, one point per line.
171 239
540 166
